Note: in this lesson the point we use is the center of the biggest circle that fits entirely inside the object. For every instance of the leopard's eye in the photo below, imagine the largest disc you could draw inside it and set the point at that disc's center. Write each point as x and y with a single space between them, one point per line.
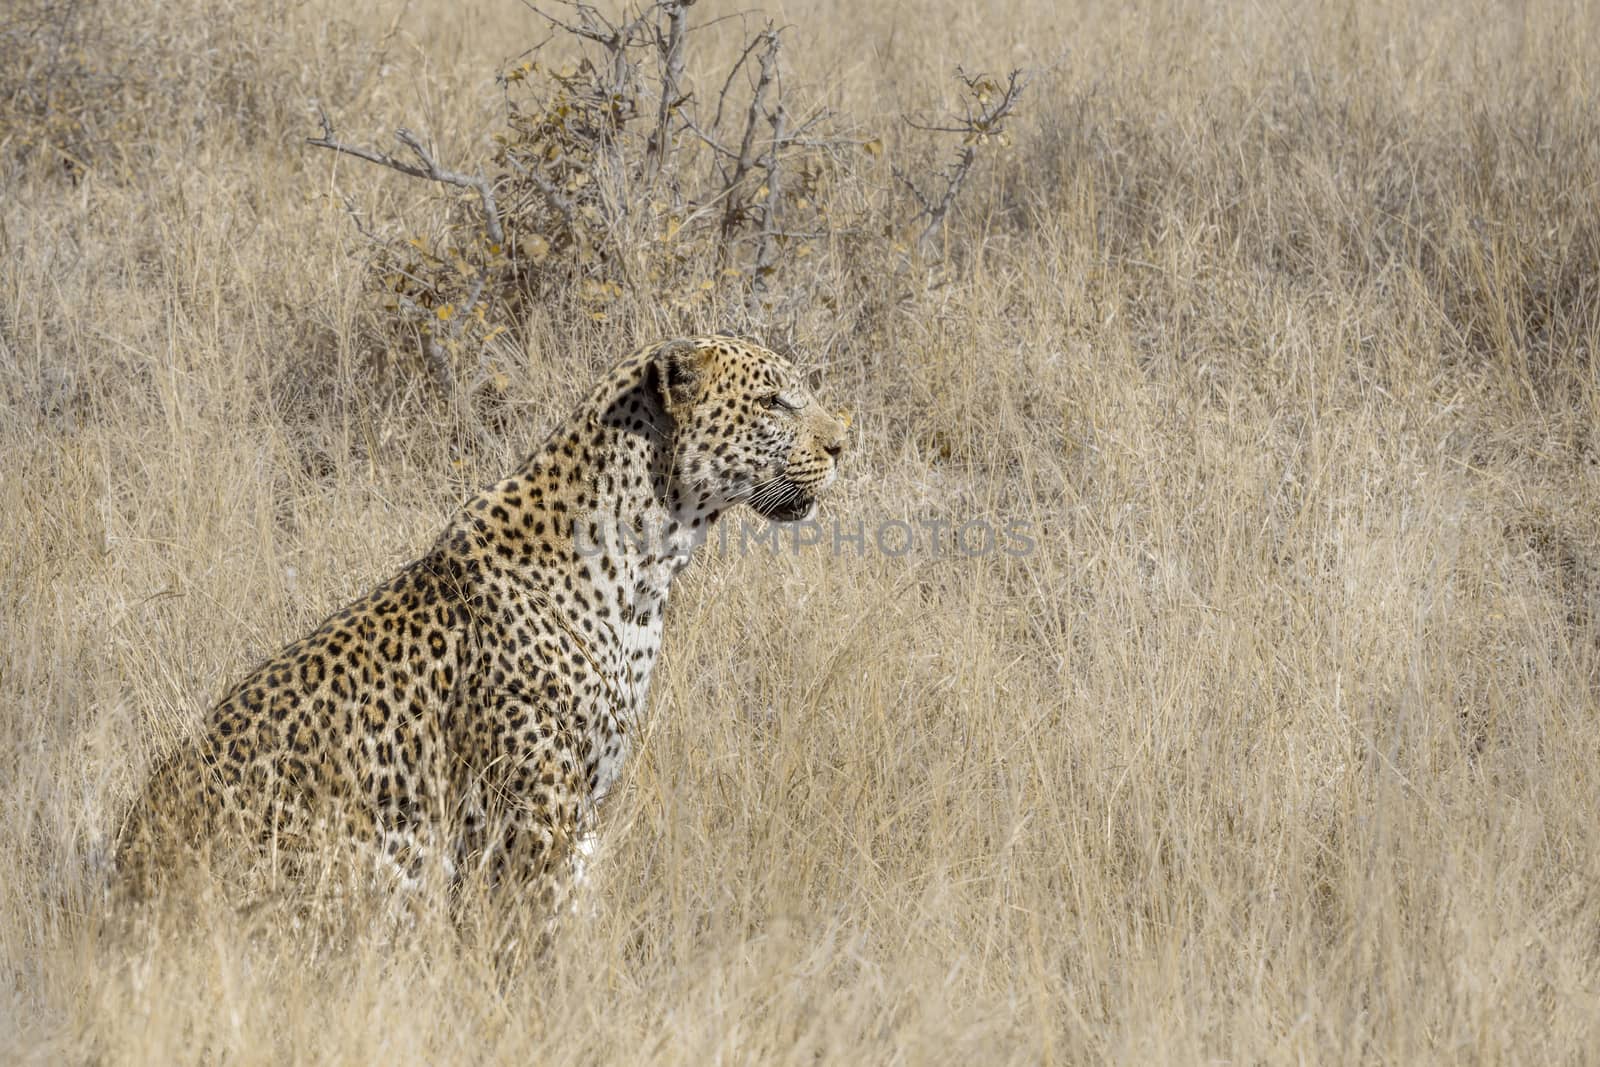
779 402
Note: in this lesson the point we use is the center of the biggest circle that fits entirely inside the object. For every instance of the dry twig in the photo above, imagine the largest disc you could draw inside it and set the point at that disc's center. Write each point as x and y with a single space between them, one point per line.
428 170
984 118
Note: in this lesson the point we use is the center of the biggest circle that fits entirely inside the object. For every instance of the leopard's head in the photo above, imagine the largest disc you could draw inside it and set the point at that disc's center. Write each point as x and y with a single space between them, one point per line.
745 427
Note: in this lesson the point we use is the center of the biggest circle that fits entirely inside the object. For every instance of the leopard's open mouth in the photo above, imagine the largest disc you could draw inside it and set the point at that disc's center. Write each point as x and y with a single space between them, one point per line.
783 501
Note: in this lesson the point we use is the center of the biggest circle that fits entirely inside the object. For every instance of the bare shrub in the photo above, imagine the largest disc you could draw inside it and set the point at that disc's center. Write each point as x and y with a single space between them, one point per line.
626 166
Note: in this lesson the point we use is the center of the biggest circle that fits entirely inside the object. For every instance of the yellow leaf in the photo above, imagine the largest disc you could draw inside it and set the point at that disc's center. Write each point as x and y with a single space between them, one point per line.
708 284
444 311
598 316
874 147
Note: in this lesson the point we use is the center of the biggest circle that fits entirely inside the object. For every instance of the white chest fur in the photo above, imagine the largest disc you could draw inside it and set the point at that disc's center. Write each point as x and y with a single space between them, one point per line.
633 571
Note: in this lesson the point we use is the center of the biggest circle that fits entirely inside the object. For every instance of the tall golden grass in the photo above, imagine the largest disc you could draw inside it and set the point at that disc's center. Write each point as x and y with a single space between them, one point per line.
1277 323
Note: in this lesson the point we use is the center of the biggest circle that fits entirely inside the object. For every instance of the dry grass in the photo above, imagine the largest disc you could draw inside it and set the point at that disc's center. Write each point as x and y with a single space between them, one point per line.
1279 324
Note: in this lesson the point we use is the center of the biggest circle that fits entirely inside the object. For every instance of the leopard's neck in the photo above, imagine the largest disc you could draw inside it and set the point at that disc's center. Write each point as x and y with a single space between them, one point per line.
594 522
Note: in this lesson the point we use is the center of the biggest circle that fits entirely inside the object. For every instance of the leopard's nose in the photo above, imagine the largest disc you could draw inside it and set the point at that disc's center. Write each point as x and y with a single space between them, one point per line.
841 425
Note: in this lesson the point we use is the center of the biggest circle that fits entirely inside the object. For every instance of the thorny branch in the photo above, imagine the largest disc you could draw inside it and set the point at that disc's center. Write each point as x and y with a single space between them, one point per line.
562 205
733 210
979 123
671 49
615 38
428 170
766 243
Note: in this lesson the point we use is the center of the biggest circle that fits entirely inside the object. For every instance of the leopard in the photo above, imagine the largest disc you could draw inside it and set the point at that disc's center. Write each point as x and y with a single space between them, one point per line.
468 717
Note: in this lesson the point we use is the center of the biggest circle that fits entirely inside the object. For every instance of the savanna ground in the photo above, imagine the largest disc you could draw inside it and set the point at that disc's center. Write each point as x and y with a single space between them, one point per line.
1277 323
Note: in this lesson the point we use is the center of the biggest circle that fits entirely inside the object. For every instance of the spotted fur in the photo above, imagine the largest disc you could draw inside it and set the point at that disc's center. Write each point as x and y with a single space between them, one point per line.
468 716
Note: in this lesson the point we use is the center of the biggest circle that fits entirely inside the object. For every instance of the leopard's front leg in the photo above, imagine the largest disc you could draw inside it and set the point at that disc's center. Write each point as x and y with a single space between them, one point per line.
525 808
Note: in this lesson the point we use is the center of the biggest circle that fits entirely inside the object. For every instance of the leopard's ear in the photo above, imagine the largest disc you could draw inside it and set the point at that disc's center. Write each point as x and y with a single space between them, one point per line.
681 369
